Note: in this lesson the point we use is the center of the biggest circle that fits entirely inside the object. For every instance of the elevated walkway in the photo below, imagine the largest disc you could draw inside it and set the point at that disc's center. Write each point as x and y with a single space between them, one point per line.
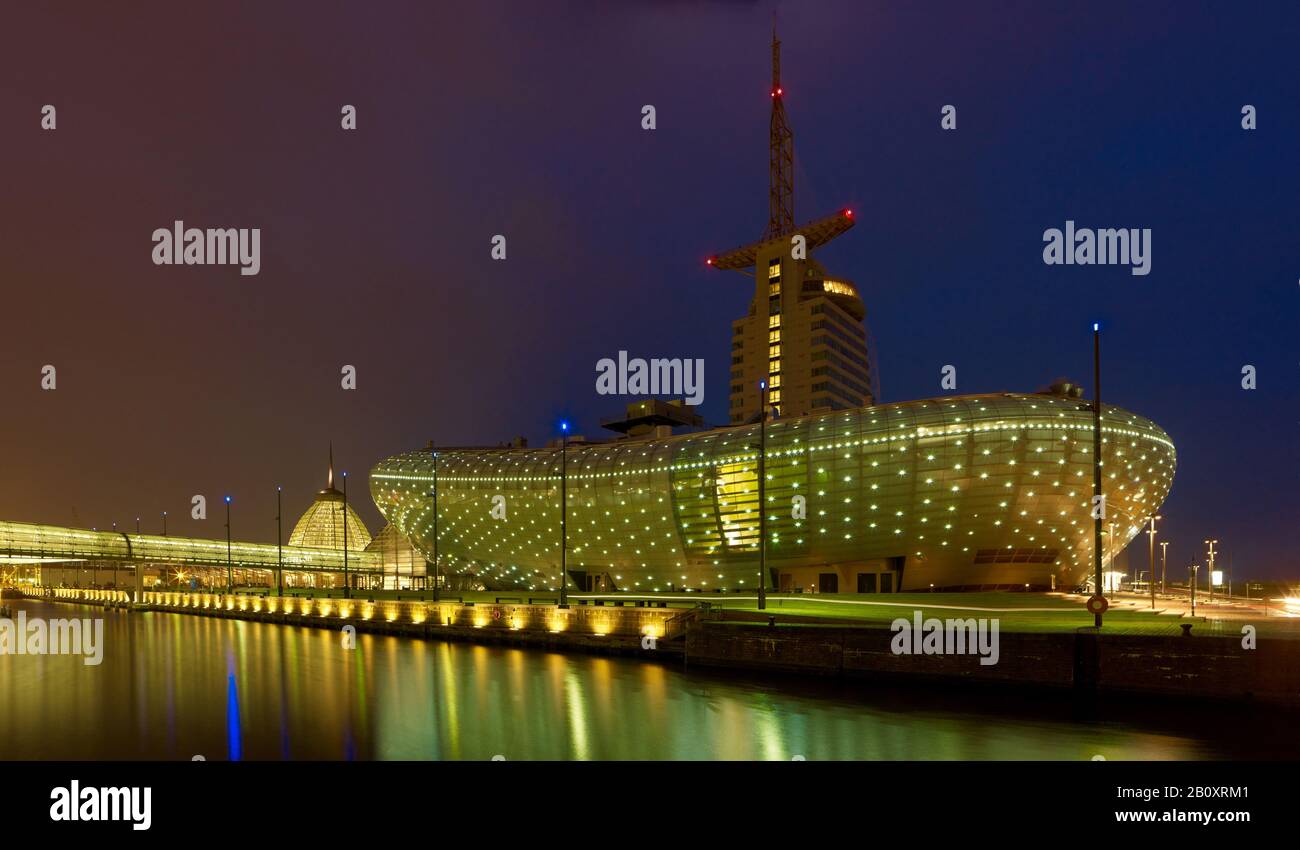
26 543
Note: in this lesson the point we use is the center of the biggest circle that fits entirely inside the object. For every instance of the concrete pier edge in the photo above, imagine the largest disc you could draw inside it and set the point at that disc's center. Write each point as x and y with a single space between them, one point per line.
1084 661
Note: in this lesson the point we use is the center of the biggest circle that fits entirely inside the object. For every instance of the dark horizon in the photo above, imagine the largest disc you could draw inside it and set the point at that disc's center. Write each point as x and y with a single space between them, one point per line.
499 119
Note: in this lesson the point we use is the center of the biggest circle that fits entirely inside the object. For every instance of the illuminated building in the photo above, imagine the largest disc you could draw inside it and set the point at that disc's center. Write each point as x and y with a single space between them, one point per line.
403 567
312 556
961 492
321 525
974 491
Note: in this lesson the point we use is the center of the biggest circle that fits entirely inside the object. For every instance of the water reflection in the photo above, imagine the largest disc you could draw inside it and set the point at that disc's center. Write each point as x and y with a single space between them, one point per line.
175 686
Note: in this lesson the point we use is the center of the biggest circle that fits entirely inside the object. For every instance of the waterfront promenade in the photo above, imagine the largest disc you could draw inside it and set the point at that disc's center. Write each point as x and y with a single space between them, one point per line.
1230 651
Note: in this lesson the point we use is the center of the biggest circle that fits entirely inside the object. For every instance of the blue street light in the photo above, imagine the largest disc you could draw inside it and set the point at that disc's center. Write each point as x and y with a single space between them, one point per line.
563 601
230 572
1099 503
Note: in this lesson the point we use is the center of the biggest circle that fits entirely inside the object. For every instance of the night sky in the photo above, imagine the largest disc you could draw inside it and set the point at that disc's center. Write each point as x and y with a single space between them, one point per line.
524 119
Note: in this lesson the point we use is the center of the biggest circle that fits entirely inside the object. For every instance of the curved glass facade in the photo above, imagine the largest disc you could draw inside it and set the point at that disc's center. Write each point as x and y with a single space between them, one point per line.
952 492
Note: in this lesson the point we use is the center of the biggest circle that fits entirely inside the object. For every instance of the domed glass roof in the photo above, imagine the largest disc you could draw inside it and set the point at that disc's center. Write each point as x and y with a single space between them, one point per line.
322 523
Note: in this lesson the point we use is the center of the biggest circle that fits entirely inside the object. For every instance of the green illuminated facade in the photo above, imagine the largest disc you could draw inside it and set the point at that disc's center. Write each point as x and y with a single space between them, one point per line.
960 492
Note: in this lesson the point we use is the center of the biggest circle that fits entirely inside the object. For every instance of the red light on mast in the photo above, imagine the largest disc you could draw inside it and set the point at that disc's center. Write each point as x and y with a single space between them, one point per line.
848 213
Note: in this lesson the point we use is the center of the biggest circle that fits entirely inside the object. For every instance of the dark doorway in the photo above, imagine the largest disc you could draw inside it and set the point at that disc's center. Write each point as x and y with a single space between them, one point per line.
886 582
828 583
866 582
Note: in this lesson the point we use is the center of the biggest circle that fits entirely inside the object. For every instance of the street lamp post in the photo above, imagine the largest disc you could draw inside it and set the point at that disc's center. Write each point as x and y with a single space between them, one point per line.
347 580
1099 500
279 545
164 523
1164 556
1110 546
564 510
435 529
762 495
1195 567
230 573
1209 572
1152 532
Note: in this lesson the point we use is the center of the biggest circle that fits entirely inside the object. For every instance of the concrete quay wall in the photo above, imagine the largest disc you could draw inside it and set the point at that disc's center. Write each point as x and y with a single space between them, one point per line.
1203 667
588 628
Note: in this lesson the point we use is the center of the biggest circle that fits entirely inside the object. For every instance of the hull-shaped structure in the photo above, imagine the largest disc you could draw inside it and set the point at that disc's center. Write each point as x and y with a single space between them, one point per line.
971 492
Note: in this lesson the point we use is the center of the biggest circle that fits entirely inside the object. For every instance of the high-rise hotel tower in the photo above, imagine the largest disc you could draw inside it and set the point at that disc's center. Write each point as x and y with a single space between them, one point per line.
804 333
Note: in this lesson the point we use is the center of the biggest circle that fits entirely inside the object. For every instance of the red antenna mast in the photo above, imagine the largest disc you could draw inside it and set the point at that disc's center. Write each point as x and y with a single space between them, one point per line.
780 197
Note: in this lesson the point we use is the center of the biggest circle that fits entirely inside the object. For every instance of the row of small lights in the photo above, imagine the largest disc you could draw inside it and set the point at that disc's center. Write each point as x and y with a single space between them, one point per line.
418 613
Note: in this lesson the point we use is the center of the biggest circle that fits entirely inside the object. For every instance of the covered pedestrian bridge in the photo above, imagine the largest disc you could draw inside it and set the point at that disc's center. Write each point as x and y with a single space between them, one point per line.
77 557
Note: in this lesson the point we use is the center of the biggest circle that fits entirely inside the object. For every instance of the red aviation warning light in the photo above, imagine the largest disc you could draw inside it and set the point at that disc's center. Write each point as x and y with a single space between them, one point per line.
780 194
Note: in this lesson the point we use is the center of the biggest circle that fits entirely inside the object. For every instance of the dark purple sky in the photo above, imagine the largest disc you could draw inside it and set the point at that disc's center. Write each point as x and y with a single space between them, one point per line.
524 119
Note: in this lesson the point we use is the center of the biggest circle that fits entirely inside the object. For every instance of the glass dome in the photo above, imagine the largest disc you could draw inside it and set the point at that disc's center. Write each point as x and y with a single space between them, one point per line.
322 524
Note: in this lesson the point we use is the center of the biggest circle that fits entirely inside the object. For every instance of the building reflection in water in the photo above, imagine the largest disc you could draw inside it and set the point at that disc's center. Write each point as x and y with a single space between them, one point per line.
174 686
